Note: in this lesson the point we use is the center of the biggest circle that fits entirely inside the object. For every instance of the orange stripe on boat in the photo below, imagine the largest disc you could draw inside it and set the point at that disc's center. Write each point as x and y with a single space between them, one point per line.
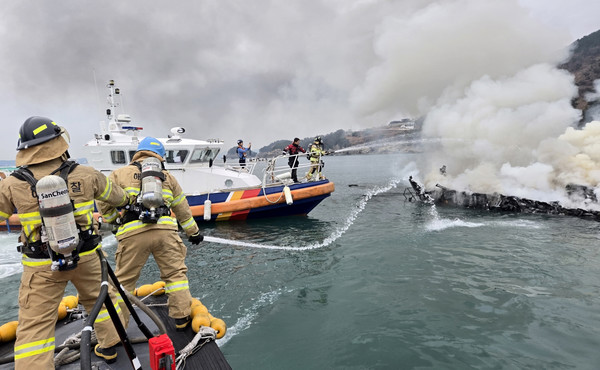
13 221
234 196
242 215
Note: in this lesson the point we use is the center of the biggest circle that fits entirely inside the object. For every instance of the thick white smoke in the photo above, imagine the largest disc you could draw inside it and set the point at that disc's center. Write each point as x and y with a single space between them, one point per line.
514 136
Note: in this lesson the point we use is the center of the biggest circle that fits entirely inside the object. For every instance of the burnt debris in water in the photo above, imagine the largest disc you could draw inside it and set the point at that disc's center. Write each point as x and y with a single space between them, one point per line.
504 203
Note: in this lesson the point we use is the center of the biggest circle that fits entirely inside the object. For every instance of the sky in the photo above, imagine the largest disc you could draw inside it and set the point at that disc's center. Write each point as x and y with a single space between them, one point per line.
266 70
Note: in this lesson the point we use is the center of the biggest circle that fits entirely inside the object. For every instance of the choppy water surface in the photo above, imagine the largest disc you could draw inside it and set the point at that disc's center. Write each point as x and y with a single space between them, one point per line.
371 281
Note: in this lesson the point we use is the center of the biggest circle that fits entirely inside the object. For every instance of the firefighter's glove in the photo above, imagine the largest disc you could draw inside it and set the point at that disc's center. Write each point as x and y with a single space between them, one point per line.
196 238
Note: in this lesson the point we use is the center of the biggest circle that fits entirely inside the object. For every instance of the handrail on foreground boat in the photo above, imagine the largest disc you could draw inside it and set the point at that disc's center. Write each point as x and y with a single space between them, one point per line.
103 298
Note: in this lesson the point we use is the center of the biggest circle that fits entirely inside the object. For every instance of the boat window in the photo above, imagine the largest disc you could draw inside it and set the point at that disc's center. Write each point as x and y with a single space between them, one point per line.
117 156
204 155
176 156
131 154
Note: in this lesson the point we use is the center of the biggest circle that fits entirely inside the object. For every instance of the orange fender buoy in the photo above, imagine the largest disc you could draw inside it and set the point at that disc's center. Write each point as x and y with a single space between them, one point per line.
8 331
199 310
158 288
195 302
62 311
219 326
198 321
70 301
144 290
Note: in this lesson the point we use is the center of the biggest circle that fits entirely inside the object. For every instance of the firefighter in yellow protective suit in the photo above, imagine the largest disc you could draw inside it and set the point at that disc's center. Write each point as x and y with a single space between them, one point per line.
143 231
315 152
42 150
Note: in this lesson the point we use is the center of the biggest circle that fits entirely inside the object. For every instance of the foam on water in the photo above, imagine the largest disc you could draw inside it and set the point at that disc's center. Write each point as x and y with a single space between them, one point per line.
10 259
250 314
438 224
442 224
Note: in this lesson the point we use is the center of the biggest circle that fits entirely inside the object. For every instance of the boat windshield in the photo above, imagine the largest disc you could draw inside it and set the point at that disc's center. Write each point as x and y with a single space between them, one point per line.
201 155
117 157
176 156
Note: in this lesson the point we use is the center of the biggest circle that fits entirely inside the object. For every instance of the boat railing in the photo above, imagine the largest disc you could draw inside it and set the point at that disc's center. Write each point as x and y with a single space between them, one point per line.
278 170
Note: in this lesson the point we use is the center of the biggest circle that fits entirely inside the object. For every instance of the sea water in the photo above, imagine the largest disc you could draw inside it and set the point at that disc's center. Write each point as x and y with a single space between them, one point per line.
370 280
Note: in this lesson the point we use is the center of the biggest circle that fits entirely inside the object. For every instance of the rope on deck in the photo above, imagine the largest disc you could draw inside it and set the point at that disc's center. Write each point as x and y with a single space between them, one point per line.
206 334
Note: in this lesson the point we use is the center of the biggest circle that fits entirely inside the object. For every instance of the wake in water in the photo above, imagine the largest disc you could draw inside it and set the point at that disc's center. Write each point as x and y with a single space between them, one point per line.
244 322
10 263
335 235
438 224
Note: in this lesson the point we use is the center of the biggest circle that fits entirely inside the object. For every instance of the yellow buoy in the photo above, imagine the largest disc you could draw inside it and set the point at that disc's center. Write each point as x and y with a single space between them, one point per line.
199 309
219 326
62 311
195 302
70 301
198 321
144 290
8 331
158 288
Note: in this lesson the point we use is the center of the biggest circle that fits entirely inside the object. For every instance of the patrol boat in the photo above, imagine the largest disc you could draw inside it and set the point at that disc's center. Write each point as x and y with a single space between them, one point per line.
215 192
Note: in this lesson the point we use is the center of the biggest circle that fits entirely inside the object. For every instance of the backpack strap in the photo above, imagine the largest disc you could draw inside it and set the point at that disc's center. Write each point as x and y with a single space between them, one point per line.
24 174
65 169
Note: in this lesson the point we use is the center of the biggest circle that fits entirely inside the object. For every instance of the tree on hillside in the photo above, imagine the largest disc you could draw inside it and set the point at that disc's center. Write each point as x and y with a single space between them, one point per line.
584 64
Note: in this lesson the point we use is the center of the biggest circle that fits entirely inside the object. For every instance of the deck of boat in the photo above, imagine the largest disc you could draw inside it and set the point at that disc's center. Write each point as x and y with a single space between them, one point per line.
209 357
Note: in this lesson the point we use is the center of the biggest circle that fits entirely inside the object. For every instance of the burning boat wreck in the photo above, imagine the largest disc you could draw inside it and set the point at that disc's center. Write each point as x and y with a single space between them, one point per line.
503 203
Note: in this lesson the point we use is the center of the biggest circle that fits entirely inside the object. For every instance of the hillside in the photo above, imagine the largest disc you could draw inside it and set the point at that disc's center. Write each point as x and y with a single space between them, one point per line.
584 64
341 139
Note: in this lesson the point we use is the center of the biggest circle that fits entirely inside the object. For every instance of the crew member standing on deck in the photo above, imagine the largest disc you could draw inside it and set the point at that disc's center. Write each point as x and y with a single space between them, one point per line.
293 150
147 227
315 152
242 152
42 151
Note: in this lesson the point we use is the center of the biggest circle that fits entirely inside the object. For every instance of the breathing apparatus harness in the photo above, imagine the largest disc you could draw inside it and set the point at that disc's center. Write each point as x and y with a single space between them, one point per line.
42 248
149 206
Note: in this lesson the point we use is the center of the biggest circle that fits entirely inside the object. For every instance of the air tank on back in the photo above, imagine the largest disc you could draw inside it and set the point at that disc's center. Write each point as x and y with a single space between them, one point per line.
151 184
56 210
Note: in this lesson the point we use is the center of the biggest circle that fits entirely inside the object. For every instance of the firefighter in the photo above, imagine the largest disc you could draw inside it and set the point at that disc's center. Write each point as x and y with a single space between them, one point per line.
42 150
143 231
315 152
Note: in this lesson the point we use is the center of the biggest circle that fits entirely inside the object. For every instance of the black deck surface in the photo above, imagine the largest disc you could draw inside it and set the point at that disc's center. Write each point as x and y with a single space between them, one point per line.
209 357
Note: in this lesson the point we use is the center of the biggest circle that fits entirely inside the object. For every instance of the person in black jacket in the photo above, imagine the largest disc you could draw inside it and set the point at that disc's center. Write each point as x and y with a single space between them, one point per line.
293 150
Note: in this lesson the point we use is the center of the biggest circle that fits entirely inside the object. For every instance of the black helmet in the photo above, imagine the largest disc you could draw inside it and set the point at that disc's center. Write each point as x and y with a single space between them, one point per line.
37 130
240 141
